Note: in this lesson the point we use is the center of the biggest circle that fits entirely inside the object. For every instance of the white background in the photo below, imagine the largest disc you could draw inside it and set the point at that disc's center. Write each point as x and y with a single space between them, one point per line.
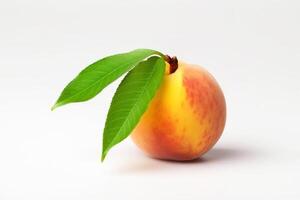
251 47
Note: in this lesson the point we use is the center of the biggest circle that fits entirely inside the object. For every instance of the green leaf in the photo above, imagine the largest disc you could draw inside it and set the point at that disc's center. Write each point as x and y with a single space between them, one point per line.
131 100
98 75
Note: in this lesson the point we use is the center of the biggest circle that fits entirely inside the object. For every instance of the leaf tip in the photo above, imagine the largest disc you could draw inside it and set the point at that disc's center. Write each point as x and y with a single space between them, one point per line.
103 156
56 105
53 107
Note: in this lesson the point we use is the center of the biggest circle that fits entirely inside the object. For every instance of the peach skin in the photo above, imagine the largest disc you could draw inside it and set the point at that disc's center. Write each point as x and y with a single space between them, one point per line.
185 118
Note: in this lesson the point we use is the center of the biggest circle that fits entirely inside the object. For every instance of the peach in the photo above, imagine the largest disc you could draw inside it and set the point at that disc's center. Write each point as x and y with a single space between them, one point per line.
185 118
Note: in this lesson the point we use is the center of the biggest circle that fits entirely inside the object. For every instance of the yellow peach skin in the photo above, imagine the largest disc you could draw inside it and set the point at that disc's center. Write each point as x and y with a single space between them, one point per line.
185 118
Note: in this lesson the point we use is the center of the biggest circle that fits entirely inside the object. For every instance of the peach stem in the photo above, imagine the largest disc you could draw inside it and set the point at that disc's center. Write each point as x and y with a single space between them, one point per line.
173 63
